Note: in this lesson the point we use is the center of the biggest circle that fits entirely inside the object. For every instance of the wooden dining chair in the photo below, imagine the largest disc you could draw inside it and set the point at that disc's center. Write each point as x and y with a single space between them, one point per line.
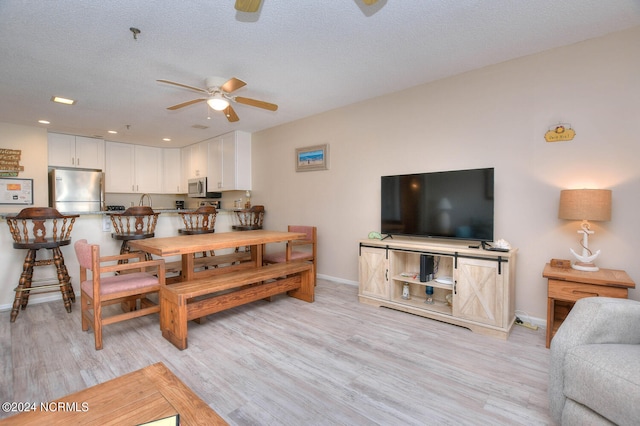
293 252
134 282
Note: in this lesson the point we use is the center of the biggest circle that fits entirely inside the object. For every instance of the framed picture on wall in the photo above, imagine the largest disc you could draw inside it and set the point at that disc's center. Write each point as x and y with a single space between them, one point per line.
16 191
312 158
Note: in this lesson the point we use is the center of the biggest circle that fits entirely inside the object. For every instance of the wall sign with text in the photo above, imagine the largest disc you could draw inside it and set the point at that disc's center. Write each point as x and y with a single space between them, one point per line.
16 191
560 133
10 162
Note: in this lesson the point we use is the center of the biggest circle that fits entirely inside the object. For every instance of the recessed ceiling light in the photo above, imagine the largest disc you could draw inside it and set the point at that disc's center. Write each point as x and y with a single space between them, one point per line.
65 101
166 139
113 132
43 122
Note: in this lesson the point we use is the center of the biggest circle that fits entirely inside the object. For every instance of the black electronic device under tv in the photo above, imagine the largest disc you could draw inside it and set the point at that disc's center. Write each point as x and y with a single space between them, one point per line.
451 204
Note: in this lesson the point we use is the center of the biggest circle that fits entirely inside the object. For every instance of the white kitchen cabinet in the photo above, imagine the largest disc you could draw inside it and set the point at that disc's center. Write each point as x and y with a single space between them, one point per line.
133 168
214 164
148 169
119 167
185 159
229 162
172 182
75 151
199 153
194 160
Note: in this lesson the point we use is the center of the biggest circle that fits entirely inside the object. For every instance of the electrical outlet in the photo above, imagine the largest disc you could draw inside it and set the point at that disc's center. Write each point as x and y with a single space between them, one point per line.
106 223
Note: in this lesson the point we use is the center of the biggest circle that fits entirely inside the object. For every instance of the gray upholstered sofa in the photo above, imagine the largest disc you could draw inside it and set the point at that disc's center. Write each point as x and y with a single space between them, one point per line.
594 376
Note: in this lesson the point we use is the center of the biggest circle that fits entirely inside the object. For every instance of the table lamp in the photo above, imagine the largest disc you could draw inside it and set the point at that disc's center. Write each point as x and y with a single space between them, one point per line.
585 205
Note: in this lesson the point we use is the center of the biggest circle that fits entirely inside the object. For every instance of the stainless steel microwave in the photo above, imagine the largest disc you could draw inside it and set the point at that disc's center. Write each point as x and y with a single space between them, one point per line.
197 188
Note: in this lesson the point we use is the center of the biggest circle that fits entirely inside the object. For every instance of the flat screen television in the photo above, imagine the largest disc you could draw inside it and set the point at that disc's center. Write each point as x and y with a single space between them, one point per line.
451 204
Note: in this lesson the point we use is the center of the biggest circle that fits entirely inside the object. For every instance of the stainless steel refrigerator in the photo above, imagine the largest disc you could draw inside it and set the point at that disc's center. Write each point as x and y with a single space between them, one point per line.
76 190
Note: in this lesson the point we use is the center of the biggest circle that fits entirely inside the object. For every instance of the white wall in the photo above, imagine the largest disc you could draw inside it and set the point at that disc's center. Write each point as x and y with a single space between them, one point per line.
492 117
32 141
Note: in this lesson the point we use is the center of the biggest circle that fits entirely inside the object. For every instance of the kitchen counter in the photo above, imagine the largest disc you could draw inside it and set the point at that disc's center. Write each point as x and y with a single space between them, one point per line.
108 212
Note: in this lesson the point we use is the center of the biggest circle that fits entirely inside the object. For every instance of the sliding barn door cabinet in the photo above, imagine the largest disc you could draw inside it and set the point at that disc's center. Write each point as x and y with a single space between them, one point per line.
469 287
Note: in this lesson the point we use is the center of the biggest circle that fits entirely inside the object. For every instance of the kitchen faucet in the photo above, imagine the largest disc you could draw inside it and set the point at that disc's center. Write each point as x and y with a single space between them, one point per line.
142 199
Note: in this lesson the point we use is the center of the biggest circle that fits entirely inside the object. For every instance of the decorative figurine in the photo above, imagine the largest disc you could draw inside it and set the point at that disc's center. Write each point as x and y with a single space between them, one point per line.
406 295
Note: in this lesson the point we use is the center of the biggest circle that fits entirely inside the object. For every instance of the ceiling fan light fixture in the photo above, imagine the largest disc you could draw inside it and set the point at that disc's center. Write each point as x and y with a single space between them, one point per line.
217 102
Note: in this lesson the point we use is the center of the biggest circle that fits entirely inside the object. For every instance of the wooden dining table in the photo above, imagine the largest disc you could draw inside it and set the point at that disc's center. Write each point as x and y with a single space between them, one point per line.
187 245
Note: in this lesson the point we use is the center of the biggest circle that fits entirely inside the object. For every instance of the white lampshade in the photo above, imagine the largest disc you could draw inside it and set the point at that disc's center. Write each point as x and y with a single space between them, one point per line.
217 102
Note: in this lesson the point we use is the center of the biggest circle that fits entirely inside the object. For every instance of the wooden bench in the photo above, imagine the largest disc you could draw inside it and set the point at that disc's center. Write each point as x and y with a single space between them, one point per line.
191 300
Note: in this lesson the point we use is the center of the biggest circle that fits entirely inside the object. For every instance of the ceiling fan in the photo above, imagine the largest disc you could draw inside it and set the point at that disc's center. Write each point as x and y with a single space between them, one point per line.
218 96
253 5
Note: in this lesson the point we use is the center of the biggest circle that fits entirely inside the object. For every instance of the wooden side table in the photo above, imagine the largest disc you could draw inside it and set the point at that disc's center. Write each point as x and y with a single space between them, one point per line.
566 286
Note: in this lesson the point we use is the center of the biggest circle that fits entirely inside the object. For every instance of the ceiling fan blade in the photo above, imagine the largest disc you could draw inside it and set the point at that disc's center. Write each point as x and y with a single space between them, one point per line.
184 104
197 89
256 103
231 114
247 5
232 85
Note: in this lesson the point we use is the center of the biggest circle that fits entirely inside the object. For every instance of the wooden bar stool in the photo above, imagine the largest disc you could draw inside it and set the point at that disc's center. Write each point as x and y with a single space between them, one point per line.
135 223
200 221
249 219
36 228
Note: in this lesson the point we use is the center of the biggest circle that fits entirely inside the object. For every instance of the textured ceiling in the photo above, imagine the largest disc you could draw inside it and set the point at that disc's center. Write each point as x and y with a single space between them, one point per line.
306 56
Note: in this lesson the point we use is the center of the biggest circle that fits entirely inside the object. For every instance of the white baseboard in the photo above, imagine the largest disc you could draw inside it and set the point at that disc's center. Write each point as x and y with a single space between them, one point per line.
34 300
540 322
338 280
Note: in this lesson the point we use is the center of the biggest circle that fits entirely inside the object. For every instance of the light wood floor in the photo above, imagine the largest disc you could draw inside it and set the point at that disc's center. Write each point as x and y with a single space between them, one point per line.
288 362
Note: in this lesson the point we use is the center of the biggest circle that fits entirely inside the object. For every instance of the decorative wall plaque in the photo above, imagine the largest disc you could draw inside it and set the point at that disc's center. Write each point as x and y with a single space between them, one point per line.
10 162
560 133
